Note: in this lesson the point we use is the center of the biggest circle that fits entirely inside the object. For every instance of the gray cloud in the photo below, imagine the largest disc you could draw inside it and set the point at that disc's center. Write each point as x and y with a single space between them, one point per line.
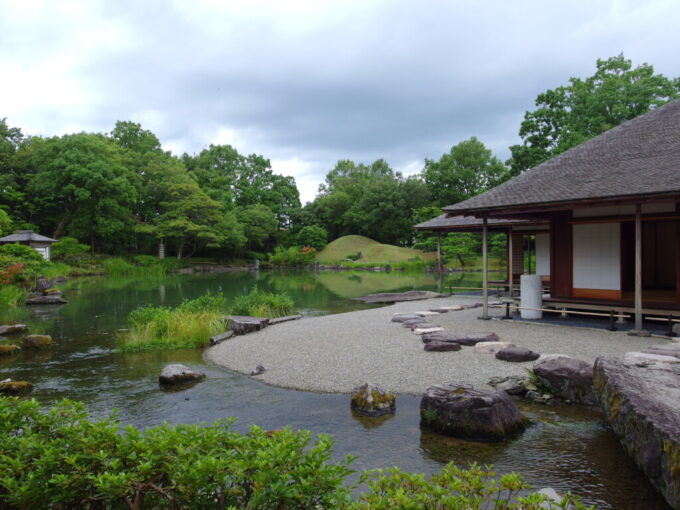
314 82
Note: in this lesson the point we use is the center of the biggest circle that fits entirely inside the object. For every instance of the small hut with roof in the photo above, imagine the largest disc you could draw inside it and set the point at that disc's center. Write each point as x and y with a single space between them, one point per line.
39 243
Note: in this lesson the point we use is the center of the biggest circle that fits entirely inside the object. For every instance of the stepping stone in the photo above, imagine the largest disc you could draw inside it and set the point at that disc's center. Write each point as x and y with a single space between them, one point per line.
442 346
426 313
403 317
439 310
423 331
243 324
461 338
452 308
412 323
517 354
664 350
287 318
214 340
491 347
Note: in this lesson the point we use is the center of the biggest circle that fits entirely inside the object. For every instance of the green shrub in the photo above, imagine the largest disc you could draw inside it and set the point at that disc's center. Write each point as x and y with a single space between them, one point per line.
312 235
187 326
262 304
293 256
117 266
60 459
31 262
11 296
69 250
21 252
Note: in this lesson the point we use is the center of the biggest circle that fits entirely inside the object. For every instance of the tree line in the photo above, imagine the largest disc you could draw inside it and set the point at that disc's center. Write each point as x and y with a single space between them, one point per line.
120 192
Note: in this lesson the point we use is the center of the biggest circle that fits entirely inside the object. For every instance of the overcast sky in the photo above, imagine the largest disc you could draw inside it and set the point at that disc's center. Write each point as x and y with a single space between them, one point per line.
306 83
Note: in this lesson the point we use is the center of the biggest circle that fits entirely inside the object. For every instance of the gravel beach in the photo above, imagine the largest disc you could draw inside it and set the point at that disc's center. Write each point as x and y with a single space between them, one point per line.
336 353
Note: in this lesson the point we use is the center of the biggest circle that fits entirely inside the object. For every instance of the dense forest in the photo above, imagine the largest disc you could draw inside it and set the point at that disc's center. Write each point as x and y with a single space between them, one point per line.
121 193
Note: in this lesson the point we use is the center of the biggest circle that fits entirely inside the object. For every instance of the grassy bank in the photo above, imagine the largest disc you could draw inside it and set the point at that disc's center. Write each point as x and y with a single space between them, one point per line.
191 324
372 252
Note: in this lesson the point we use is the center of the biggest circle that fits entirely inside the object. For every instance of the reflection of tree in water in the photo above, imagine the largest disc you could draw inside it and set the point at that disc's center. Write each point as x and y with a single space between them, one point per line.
369 422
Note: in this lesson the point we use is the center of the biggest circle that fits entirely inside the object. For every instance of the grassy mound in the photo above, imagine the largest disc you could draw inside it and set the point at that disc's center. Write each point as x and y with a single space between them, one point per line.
372 252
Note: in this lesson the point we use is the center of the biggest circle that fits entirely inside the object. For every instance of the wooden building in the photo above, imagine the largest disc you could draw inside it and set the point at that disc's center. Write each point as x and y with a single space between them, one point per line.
613 209
39 243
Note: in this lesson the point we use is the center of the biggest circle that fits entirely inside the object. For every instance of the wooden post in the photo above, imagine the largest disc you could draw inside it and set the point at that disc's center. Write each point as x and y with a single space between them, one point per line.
485 270
510 264
638 271
439 252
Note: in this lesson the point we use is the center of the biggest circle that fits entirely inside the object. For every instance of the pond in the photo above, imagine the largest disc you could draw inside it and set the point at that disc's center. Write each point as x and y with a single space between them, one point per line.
568 448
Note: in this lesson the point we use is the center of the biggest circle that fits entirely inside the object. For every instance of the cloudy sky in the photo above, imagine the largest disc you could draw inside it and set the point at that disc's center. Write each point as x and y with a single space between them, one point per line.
306 83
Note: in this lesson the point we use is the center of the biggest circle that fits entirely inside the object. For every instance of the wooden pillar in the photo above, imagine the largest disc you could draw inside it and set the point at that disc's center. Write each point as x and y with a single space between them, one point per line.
485 270
638 268
439 252
510 264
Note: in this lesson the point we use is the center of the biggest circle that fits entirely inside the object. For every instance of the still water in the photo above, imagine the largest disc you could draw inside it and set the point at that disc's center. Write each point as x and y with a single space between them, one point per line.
568 448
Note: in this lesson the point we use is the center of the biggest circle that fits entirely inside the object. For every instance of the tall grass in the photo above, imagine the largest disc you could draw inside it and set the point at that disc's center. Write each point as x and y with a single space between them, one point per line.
144 265
12 296
187 326
262 304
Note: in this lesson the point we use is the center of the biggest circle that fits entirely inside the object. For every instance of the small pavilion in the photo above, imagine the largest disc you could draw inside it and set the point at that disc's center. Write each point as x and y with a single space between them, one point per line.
612 206
39 243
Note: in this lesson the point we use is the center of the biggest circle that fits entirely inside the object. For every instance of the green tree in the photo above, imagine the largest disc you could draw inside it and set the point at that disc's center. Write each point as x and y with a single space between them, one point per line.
571 114
259 225
130 135
82 187
312 235
5 223
468 169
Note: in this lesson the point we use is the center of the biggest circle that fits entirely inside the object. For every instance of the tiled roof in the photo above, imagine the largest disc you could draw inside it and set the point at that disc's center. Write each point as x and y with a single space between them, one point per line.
450 223
22 236
640 157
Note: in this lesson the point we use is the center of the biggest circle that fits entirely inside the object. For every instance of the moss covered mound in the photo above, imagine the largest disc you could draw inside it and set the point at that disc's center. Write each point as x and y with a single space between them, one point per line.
15 387
372 252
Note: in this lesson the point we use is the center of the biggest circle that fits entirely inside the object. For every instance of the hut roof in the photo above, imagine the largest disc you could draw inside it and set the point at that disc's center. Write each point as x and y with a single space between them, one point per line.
452 223
639 158
23 236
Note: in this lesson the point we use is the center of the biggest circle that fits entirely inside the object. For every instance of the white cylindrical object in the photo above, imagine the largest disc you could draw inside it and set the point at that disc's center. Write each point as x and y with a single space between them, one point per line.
531 292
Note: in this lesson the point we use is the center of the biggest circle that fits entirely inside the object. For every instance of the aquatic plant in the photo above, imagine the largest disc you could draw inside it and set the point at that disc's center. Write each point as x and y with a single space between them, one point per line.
262 304
187 326
12 296
58 458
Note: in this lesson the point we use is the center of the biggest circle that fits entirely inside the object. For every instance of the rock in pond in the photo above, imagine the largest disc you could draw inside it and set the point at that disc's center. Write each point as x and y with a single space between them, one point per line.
566 378
8 349
517 354
460 338
371 400
243 324
460 410
9 387
491 347
37 342
178 374
13 329
642 405
442 346
49 299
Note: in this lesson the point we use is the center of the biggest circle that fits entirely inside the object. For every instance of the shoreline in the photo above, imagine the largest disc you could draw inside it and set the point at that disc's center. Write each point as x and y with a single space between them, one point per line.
335 353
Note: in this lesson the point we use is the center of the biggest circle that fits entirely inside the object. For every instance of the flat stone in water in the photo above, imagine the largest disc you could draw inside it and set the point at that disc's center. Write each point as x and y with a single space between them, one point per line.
371 400
178 374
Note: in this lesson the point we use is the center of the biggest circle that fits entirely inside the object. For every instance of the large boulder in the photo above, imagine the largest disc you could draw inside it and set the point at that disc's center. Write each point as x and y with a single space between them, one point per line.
642 405
37 342
566 378
178 374
371 400
517 354
243 324
460 338
442 346
462 411
13 329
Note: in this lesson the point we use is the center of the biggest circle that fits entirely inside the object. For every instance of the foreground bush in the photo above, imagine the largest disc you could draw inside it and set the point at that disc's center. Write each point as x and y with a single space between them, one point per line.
186 326
262 304
59 459
11 296
295 256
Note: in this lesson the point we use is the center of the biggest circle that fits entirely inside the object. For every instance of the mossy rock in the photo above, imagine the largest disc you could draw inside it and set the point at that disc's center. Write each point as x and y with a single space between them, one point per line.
37 342
15 388
8 350
371 400
12 329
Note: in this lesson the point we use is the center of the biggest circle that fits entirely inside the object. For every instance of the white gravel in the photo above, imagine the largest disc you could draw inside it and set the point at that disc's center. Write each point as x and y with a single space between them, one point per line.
336 353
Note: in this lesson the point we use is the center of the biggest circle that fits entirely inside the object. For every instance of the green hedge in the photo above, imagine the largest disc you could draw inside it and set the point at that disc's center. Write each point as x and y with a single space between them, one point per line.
59 459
